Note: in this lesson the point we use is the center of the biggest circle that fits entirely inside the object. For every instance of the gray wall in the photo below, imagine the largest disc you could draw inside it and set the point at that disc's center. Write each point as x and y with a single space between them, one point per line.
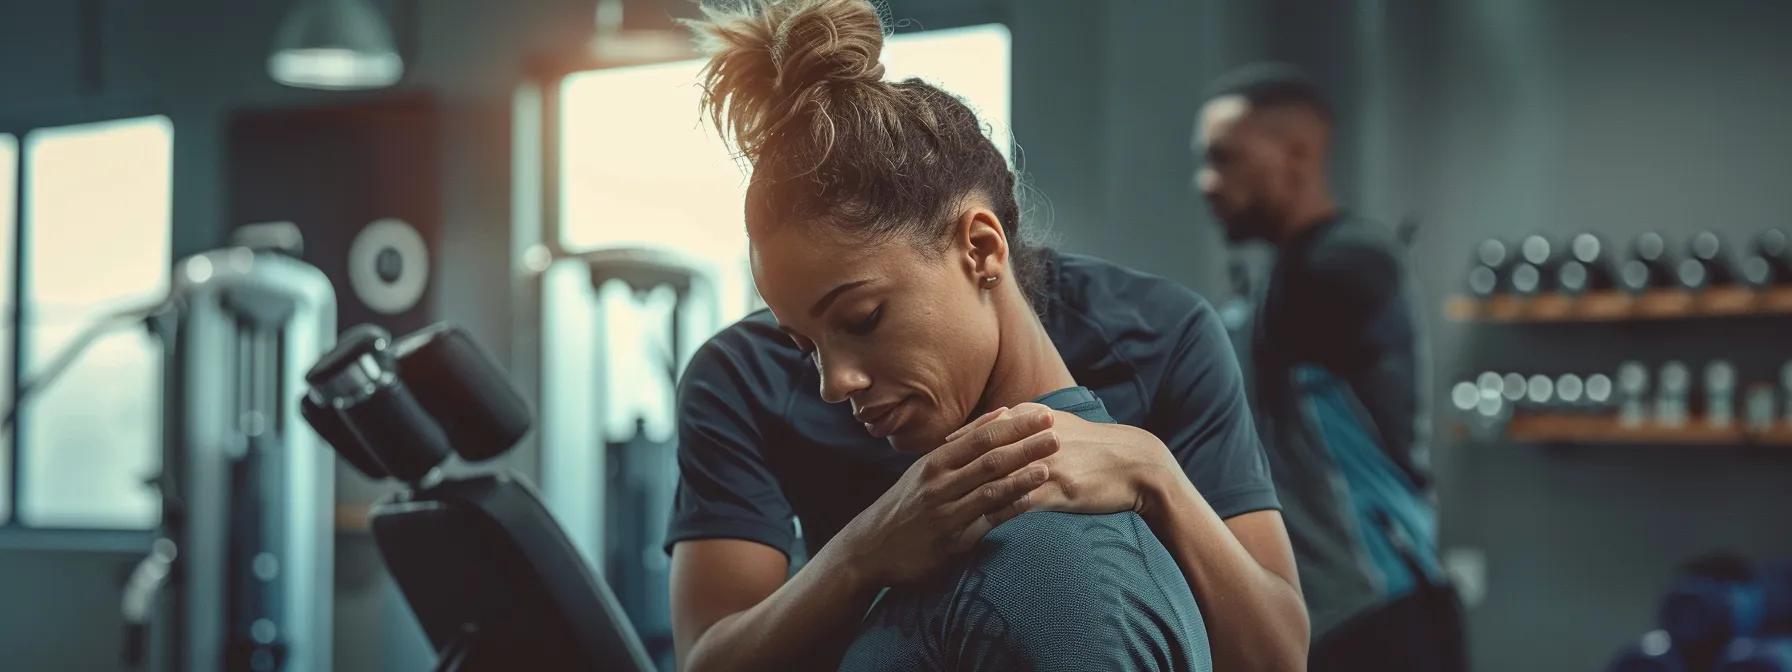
1521 116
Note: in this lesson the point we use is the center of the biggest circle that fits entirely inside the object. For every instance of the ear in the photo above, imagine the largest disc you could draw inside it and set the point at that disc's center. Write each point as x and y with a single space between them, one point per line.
980 244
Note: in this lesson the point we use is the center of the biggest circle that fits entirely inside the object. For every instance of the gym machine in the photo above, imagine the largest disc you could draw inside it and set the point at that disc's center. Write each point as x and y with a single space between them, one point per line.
487 571
609 465
240 577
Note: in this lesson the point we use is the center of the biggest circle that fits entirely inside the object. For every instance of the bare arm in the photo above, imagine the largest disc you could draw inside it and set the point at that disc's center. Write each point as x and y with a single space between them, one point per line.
732 608
1241 568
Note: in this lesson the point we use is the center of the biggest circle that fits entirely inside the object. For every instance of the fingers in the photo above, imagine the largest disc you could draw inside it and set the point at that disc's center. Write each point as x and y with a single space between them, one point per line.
996 465
979 422
1000 502
1000 492
1027 501
1001 431
992 415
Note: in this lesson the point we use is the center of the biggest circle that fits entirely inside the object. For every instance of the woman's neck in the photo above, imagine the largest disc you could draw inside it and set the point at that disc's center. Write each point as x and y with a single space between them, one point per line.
1027 363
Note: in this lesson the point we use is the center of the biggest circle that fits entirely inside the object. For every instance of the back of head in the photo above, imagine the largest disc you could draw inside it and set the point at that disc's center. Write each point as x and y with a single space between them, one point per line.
796 86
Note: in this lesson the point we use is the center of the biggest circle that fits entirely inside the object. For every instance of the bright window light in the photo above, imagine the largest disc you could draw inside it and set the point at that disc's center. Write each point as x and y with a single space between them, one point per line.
97 225
9 181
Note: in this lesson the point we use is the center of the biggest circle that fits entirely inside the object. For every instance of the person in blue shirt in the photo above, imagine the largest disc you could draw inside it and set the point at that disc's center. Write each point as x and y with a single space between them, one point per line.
993 456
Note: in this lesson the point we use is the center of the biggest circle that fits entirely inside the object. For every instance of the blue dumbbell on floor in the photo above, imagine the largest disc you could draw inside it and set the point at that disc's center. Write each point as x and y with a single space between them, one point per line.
1773 654
1655 653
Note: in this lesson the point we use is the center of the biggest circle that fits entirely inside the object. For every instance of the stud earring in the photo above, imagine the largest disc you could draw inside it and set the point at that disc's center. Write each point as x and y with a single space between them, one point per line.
989 281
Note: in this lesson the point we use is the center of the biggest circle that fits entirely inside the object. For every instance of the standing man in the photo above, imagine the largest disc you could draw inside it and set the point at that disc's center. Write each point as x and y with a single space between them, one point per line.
1336 377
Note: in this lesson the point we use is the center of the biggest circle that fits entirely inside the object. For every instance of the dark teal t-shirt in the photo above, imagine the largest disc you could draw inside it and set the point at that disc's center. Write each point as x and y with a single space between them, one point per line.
760 451
1046 592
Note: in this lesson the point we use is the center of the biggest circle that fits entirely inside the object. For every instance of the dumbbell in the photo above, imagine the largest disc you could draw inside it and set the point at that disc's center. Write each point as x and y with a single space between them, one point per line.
1633 384
1598 397
1673 393
1570 391
1770 262
1706 264
1588 267
1720 393
1465 396
1758 411
1654 653
1713 601
1492 258
1786 390
1650 265
1771 654
1535 268
1540 391
1492 389
1514 387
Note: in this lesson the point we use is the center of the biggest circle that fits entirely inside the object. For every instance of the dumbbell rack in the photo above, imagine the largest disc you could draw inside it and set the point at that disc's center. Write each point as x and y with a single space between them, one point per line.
1615 307
1619 306
1536 427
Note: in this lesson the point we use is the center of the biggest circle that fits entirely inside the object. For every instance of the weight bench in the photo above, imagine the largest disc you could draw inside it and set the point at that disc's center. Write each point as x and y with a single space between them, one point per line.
487 571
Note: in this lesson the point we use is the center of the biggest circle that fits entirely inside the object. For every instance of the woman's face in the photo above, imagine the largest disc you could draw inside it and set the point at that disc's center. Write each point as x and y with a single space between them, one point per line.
904 333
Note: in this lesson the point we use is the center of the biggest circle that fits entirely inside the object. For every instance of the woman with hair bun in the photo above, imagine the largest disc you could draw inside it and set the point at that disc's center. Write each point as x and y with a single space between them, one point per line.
997 457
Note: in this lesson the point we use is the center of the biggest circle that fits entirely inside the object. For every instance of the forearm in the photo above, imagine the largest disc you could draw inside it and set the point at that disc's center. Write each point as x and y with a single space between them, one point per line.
816 610
1256 619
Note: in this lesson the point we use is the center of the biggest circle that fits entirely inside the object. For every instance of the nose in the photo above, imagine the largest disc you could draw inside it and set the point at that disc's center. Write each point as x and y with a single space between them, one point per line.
840 378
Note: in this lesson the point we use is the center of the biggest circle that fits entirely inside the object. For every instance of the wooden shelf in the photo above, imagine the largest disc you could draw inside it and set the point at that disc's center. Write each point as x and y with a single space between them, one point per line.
1618 306
1587 429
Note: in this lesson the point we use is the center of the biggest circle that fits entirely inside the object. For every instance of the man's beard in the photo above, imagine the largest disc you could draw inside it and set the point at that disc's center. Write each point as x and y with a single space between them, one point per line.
1251 222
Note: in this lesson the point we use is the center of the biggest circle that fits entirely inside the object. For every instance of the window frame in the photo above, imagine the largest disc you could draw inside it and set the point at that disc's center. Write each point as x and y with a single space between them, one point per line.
15 534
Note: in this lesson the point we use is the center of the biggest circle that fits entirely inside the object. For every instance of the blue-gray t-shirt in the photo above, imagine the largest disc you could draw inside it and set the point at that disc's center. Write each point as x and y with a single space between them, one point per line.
1116 600
759 451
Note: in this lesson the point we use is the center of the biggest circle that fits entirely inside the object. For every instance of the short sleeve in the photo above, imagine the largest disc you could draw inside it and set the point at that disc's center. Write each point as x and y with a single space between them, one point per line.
1202 414
725 488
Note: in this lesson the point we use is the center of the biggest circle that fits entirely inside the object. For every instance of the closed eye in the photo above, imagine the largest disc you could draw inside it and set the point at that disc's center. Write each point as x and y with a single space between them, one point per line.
865 326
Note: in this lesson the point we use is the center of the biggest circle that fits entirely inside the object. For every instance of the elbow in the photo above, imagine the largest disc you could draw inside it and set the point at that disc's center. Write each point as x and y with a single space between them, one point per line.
1290 650
693 662
1293 652
1282 645
1285 653
694 656
702 659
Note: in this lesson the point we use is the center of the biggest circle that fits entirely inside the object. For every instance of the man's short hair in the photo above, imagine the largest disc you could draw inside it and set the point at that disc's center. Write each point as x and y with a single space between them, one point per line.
1273 85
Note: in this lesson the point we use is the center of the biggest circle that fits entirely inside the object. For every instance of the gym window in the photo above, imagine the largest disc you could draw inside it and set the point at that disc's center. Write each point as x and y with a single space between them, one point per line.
85 232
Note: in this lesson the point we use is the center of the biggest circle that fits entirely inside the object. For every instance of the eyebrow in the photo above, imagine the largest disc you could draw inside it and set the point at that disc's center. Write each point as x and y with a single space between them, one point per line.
821 306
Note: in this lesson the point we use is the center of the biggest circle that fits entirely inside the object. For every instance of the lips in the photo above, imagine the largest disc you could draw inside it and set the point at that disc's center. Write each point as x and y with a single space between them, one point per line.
881 420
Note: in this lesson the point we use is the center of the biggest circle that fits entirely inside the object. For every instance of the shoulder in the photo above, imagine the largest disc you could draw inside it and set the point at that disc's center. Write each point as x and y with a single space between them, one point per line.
1352 246
1108 294
750 358
1114 322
